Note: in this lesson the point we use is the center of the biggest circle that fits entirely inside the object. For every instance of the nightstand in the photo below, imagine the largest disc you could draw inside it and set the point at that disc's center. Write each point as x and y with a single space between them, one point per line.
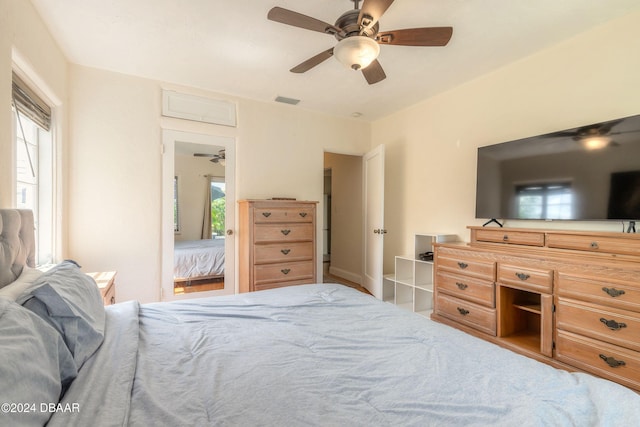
106 284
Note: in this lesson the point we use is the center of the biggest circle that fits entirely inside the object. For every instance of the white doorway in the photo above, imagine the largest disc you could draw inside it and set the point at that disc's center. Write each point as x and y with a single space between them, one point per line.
373 231
346 215
177 230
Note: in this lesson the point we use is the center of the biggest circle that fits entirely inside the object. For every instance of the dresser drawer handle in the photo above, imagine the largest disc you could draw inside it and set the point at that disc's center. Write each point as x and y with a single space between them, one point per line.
594 245
612 324
266 214
463 311
303 214
461 286
285 251
285 270
612 361
463 265
285 232
613 292
522 276
505 238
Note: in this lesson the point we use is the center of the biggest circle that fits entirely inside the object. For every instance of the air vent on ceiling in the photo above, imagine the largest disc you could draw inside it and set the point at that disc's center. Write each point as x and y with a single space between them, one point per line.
286 100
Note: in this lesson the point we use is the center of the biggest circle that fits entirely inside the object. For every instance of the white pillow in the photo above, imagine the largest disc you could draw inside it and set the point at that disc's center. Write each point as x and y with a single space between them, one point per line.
22 284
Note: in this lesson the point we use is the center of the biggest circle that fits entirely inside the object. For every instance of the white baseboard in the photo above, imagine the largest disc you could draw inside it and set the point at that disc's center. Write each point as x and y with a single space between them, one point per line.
352 277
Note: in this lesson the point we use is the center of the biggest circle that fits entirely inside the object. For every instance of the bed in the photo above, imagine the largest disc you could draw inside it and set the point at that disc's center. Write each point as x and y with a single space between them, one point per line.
321 354
198 260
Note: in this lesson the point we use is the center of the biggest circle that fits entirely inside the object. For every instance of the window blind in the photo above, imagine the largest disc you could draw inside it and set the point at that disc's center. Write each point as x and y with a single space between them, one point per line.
31 105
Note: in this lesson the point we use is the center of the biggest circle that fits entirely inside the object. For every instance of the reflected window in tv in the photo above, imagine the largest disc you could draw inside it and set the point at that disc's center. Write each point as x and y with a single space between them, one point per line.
540 201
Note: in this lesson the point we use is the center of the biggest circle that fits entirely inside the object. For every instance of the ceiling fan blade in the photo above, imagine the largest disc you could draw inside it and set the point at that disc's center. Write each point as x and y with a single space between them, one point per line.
432 36
374 73
371 11
204 155
289 17
312 62
605 128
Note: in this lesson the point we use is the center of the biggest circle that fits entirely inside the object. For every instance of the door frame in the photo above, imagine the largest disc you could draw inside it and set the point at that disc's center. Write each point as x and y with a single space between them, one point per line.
169 138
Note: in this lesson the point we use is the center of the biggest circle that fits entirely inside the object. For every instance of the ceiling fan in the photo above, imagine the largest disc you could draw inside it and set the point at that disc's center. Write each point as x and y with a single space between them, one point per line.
594 136
215 158
358 35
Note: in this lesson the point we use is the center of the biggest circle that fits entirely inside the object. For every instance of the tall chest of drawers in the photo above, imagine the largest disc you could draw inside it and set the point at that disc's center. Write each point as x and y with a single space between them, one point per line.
277 244
570 299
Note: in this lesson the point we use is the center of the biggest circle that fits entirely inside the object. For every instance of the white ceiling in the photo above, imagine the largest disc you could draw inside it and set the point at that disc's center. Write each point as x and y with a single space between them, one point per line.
230 46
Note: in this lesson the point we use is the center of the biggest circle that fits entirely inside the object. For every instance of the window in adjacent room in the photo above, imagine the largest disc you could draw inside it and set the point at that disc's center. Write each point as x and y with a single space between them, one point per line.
34 175
218 206
540 201
176 209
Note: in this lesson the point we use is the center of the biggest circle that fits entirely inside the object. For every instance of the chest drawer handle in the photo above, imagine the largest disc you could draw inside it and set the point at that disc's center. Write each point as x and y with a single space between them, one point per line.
505 238
285 251
463 311
285 232
594 245
303 214
285 270
612 324
522 276
461 286
266 214
463 265
613 292
611 361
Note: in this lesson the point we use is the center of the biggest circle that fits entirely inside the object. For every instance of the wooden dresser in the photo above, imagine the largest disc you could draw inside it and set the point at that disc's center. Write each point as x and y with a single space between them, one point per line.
277 244
567 298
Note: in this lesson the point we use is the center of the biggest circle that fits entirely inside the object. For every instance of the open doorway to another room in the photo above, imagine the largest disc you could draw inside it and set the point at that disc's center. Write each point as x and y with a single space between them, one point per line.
342 219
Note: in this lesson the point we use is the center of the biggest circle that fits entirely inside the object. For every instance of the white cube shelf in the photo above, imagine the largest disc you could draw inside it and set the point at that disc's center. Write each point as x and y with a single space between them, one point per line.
411 287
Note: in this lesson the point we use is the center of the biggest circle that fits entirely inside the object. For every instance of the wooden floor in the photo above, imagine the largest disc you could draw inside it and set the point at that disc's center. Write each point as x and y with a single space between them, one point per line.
198 286
328 278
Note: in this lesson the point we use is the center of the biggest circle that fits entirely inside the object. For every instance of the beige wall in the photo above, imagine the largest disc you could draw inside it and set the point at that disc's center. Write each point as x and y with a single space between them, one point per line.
115 167
346 215
431 147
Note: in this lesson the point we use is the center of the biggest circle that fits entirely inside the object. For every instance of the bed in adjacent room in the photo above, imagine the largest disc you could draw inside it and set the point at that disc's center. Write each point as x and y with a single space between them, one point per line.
198 260
321 354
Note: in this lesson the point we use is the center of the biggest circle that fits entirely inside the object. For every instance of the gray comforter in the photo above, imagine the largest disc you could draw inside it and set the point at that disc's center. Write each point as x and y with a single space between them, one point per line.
322 355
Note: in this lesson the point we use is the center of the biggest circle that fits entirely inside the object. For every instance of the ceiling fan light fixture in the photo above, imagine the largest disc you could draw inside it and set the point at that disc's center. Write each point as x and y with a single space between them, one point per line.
356 52
595 142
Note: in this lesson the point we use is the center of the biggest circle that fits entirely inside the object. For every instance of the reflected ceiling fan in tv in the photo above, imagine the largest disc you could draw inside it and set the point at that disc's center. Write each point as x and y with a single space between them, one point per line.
589 173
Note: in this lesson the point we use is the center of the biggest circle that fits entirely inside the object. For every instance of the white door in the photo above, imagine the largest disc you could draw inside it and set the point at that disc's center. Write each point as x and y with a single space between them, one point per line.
373 204
169 140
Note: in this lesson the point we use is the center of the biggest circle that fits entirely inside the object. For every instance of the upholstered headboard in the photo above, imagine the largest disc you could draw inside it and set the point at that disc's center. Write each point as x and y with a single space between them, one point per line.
17 243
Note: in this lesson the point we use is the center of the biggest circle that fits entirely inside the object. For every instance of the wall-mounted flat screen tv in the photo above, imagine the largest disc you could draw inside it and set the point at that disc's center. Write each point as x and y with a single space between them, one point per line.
588 173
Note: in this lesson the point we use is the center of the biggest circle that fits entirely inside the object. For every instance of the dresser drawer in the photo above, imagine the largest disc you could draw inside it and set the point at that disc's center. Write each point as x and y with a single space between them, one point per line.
525 278
467 266
609 292
467 313
283 232
527 238
468 288
271 273
282 252
291 214
612 245
597 357
614 326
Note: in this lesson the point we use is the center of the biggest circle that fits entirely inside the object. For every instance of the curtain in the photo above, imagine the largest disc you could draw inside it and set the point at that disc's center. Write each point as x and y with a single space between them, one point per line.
206 221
